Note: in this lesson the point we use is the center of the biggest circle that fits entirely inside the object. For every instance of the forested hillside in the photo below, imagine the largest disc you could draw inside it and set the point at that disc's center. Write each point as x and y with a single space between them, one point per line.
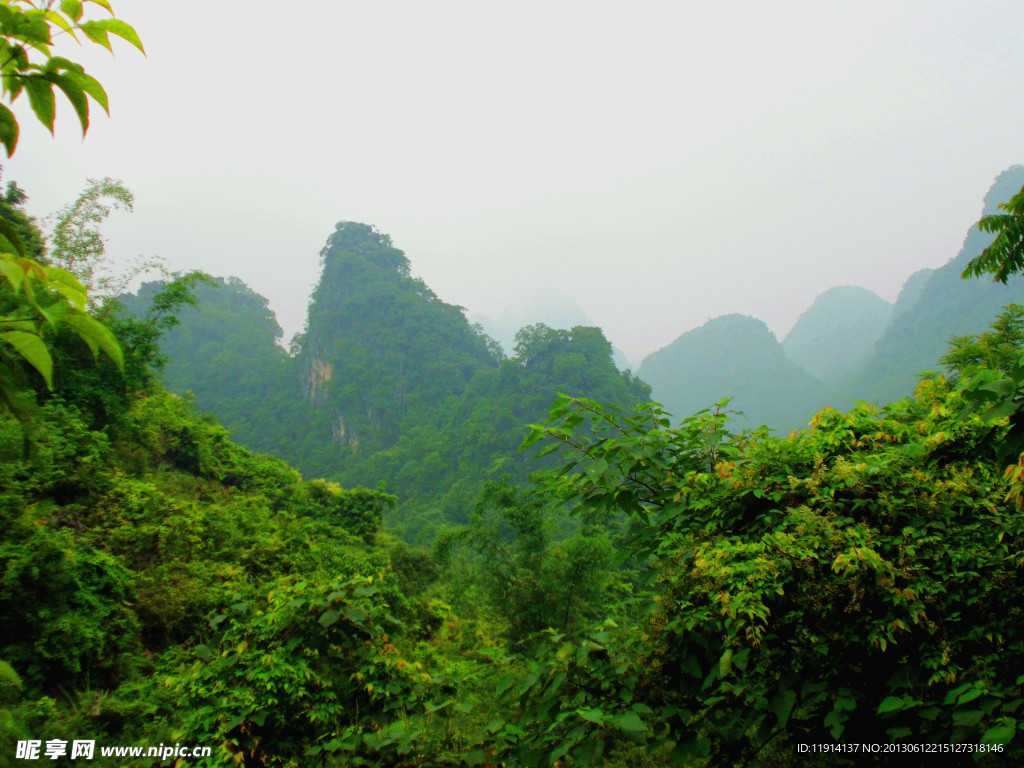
946 306
854 344
160 585
387 384
738 357
835 336
584 579
673 595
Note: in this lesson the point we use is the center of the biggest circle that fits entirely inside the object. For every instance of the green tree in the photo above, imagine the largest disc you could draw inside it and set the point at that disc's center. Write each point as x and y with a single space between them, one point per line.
997 349
1005 256
28 64
854 582
77 245
32 295
534 582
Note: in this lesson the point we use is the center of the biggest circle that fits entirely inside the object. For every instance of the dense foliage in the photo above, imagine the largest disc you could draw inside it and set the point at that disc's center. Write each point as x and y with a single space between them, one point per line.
388 383
672 595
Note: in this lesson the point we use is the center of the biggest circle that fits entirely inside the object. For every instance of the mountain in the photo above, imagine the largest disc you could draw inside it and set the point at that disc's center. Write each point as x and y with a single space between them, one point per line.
379 343
911 291
946 305
226 351
387 382
835 336
739 357
554 311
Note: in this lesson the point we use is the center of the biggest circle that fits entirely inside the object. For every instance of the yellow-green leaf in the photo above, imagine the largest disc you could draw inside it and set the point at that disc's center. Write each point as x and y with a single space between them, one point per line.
33 350
73 8
96 335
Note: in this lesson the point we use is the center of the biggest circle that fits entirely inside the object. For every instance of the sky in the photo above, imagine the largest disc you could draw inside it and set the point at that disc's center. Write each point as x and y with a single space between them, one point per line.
659 163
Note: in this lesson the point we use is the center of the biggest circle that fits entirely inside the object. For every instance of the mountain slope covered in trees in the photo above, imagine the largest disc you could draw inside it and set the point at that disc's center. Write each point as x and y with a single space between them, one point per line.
387 383
947 306
859 346
738 357
835 336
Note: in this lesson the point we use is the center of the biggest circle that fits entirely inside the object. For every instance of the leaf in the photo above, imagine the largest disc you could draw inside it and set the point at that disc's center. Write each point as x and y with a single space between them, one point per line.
630 722
329 617
95 334
8 130
504 684
355 615
76 96
12 237
8 675
1004 387
97 31
431 708
890 704
77 297
999 734
72 8
782 706
31 347
40 98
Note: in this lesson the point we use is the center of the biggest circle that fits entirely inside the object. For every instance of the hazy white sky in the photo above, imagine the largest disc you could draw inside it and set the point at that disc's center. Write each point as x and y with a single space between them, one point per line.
661 163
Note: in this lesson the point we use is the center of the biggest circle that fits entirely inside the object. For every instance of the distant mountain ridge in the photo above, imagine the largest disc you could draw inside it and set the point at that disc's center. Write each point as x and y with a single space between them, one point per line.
389 382
835 336
946 305
733 356
554 311
858 345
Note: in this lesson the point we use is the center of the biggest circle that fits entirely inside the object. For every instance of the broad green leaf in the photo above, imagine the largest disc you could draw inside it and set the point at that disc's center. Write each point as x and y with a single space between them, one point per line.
31 347
11 237
355 615
725 663
97 32
77 298
13 272
968 696
96 335
40 98
328 618
630 722
76 96
999 734
782 706
55 18
8 675
890 704
8 130
90 85
72 8
504 684
1004 387
56 275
